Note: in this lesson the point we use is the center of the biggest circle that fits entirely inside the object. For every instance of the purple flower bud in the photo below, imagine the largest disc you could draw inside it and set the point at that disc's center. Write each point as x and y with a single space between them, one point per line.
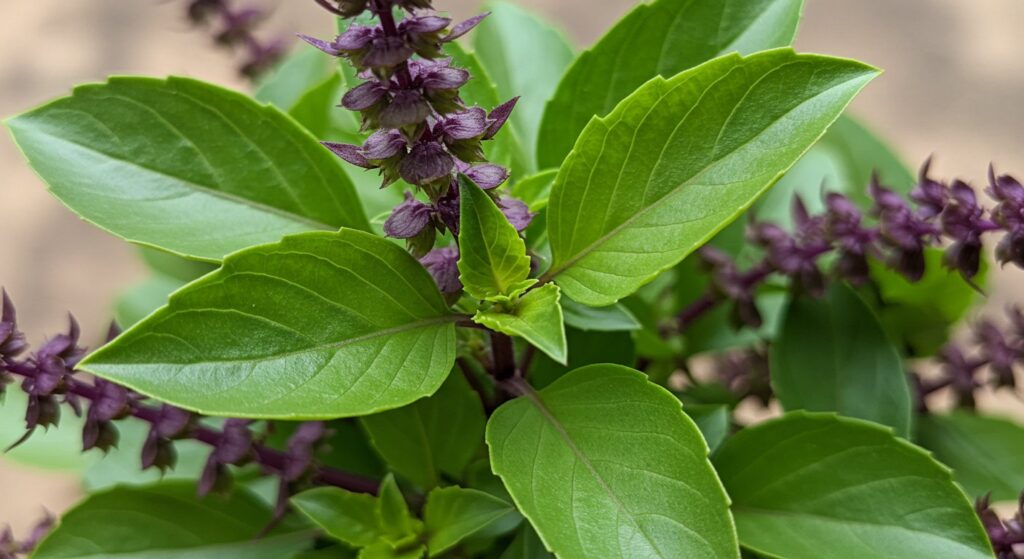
427 161
799 261
487 176
158 453
63 348
199 11
238 25
516 212
464 27
99 434
329 48
438 74
406 108
1009 214
173 423
442 263
364 96
235 448
930 195
499 116
12 341
355 38
465 125
39 531
409 219
962 220
42 411
1002 357
386 52
904 232
302 449
447 207
384 144
349 153
430 23
344 8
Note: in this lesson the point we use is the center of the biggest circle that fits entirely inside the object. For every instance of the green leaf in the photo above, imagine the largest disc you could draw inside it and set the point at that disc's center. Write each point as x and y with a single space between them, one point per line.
605 464
832 355
318 111
526 545
493 264
626 206
614 318
184 166
168 520
525 57
123 465
453 514
343 515
920 315
659 38
166 264
713 420
585 348
535 190
319 325
57 448
293 77
809 482
140 300
986 453
537 318
393 513
439 434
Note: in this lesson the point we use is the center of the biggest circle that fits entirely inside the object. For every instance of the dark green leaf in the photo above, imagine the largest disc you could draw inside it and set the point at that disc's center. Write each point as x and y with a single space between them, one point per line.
525 58
319 325
815 485
919 315
526 545
535 189
713 420
435 435
536 317
832 355
493 264
663 38
185 166
453 514
140 300
615 318
625 207
168 521
605 464
585 348
986 453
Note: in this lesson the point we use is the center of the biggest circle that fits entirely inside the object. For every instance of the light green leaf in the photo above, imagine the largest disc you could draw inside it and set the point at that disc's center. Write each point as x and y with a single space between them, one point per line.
294 76
832 355
185 166
343 515
663 38
809 482
140 300
435 435
166 264
605 464
525 57
318 111
537 318
168 521
920 315
535 190
319 325
986 453
526 545
614 318
626 206
453 514
393 515
713 420
493 264
123 465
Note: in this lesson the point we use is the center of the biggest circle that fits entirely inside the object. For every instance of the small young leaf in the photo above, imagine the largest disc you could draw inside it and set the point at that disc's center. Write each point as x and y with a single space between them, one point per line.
605 464
493 263
614 318
185 166
393 514
625 207
453 514
435 435
832 355
986 453
658 38
537 318
343 515
812 485
168 520
320 325
525 57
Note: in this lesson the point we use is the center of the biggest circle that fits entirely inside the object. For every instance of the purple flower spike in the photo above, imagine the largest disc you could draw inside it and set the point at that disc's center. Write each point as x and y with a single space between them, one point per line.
438 74
409 219
499 116
962 220
442 263
350 153
355 38
426 162
12 342
364 96
930 195
464 27
384 144
487 175
516 212
464 125
407 108
1009 214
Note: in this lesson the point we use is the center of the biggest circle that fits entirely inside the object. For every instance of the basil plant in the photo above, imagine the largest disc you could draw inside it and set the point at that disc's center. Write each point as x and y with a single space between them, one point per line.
453 289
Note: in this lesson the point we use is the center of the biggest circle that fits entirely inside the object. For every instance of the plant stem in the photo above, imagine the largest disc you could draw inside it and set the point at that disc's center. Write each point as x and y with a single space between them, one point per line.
504 357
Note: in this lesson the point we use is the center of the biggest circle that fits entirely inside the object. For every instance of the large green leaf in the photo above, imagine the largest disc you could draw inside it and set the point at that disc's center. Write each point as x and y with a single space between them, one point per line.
614 318
537 318
811 485
679 159
605 464
525 58
986 453
453 514
168 521
294 76
492 256
319 325
585 348
185 166
832 355
434 436
663 38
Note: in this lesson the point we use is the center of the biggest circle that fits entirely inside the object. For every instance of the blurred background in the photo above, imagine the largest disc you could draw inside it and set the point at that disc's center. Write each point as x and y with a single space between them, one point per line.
953 86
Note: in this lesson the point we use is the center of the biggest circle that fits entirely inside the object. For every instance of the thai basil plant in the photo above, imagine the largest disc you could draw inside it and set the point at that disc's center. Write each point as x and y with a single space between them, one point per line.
446 289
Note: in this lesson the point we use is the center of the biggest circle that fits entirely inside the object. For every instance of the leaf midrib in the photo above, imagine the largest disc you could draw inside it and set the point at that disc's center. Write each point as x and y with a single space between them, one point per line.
587 250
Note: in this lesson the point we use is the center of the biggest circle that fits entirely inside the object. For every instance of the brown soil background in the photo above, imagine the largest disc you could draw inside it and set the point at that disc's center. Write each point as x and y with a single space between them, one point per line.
954 86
